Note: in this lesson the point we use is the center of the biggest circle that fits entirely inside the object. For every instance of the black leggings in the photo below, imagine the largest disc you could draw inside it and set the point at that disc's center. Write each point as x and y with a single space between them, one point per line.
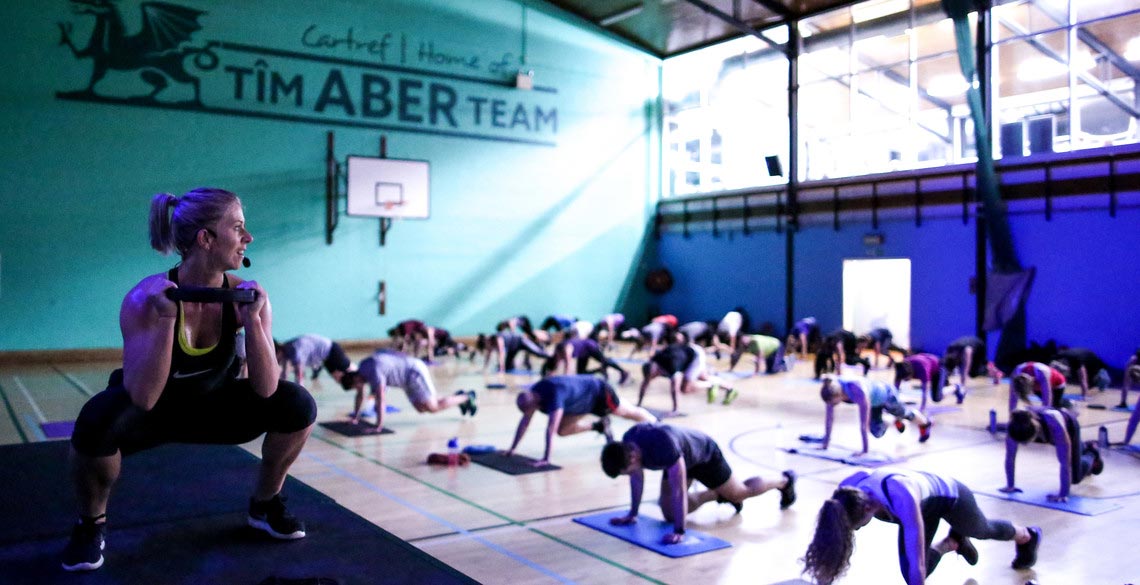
965 519
584 359
230 414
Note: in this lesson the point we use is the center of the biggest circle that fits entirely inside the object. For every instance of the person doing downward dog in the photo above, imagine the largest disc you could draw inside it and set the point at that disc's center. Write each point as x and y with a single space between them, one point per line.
917 502
683 455
386 368
567 400
179 383
872 397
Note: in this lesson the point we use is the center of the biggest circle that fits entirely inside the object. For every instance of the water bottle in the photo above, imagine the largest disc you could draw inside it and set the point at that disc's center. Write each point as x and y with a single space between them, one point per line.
453 452
993 421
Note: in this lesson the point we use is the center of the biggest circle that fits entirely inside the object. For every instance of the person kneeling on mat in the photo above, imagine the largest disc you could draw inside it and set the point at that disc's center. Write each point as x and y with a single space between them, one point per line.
872 397
917 501
314 352
567 400
683 455
386 368
1058 428
179 383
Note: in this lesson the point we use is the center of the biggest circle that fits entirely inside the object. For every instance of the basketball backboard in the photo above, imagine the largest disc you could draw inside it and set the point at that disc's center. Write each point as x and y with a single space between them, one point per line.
386 187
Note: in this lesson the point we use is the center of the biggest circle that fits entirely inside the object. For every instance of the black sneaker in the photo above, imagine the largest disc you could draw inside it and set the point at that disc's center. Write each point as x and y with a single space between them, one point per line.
465 406
1098 463
272 517
738 505
788 492
472 408
603 427
965 548
84 552
1027 553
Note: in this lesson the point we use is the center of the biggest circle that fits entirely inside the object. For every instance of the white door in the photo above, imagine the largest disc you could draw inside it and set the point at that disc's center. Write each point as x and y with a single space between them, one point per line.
876 293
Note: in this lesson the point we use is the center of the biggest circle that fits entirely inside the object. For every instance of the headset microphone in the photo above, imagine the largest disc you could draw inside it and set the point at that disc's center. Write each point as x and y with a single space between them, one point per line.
245 262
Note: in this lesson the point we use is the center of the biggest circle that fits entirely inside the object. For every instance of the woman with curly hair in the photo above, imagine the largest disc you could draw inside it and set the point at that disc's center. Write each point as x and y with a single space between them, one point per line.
917 501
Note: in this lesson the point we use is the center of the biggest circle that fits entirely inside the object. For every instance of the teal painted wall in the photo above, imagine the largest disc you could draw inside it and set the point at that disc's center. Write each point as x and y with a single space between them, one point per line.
536 210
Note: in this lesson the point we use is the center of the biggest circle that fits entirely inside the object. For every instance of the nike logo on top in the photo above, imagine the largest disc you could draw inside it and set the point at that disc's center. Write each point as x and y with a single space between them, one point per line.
180 375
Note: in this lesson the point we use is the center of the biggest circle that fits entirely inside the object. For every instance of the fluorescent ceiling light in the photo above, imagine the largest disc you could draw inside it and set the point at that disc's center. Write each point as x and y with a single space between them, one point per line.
1132 49
1041 68
872 10
947 85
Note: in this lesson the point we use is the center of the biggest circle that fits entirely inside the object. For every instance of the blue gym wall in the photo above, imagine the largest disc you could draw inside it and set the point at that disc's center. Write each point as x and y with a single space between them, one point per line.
532 215
1085 290
713 275
1084 293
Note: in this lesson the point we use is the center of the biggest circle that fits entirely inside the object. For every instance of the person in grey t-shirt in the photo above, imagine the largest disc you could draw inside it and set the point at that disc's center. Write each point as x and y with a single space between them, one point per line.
314 352
391 368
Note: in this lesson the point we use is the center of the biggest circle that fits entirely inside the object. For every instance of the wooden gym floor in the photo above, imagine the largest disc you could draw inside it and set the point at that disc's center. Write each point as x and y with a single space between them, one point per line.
499 528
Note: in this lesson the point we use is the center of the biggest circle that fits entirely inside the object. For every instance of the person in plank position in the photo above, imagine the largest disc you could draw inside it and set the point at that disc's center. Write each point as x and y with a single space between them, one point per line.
567 401
917 502
683 455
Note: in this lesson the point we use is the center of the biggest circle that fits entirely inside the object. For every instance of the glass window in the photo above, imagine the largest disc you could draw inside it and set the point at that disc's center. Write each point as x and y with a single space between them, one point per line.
726 109
881 91
1049 97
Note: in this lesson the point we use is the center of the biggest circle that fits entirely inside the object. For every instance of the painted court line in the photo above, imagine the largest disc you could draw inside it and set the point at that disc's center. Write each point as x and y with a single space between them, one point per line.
12 415
32 401
458 529
493 513
80 386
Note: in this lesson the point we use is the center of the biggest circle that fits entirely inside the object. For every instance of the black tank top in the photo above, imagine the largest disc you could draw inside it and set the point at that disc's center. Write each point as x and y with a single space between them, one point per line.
195 371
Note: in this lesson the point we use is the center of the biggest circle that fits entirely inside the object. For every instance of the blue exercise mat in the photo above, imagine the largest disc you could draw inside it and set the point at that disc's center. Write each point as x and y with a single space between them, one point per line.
496 386
522 372
845 456
648 532
1076 504
941 408
60 429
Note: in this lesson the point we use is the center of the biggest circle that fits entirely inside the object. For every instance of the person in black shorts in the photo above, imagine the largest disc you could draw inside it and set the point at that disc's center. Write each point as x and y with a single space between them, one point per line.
967 356
881 341
312 351
576 350
1080 365
683 455
178 382
684 364
1058 427
567 401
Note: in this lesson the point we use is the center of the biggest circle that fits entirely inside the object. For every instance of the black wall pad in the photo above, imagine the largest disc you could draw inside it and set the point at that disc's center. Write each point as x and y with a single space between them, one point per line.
513 465
179 517
346 428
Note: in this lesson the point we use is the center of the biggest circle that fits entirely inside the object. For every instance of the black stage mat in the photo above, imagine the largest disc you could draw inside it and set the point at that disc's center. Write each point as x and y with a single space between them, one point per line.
178 516
664 414
513 465
346 428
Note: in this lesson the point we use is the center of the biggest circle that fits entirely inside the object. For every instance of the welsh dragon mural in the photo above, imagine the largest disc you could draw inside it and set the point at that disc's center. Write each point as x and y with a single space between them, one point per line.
156 51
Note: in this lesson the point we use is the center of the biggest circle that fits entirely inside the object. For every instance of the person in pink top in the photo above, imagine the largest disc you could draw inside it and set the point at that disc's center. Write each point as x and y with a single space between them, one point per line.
927 369
1037 378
